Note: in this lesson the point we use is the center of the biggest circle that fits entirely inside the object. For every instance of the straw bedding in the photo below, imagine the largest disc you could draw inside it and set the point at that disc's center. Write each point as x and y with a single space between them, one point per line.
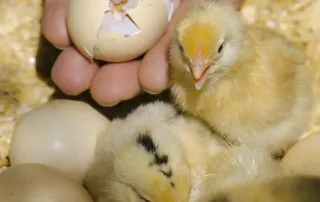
21 89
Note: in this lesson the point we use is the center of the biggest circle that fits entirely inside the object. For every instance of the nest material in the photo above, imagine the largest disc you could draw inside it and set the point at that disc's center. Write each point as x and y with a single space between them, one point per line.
297 20
21 90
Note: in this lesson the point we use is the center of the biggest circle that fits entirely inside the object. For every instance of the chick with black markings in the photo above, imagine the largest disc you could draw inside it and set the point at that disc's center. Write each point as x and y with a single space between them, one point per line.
153 155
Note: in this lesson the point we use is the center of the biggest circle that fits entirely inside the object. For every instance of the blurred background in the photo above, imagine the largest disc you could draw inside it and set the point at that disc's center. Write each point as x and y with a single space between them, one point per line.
26 57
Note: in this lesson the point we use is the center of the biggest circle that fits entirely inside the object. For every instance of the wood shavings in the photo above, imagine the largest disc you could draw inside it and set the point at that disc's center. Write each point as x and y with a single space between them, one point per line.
20 88
297 20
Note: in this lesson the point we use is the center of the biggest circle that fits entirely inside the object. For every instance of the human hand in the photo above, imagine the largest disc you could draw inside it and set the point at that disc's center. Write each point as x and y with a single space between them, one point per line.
111 83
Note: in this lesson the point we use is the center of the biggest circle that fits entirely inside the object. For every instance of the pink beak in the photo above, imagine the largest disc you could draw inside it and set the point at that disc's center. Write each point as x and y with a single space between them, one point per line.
199 67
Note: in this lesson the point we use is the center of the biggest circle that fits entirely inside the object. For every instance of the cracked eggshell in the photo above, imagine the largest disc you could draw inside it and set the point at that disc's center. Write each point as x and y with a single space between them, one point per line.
304 157
61 134
85 18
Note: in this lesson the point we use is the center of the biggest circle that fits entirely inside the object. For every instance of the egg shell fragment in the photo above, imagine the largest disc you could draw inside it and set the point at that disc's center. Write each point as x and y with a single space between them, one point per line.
304 157
85 18
39 183
61 134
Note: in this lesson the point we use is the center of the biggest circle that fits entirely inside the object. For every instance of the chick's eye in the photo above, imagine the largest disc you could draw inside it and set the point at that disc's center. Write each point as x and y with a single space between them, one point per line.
220 48
143 199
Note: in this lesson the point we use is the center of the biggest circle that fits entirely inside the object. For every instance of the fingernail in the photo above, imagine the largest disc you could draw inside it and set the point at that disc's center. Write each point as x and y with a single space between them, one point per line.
152 93
60 47
109 105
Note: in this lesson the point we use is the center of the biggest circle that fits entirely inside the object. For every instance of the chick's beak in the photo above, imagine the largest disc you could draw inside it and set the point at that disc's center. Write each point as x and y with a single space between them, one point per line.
199 67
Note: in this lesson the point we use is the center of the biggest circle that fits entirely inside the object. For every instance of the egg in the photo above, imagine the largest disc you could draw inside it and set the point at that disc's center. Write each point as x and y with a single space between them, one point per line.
61 133
304 157
39 183
117 33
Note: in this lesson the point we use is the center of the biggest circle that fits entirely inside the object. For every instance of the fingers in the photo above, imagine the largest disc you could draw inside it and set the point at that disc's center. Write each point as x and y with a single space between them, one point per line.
153 74
116 82
54 22
73 73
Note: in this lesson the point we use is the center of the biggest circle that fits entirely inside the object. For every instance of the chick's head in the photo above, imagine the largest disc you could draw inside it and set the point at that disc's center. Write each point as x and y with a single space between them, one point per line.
208 40
152 169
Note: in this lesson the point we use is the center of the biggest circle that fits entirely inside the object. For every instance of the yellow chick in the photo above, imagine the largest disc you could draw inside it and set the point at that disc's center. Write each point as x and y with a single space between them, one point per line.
233 166
248 82
154 154
278 189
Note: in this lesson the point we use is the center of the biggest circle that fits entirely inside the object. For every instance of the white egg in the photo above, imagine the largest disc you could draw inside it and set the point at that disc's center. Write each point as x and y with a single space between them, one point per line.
39 183
99 31
61 134
304 157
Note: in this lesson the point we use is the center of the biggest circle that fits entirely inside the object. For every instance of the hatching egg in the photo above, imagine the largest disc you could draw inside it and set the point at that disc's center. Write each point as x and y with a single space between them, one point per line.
61 134
117 33
304 157
39 183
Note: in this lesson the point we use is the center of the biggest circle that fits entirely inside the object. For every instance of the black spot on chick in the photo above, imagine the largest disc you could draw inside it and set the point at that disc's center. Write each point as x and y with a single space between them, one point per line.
160 159
168 174
172 184
146 141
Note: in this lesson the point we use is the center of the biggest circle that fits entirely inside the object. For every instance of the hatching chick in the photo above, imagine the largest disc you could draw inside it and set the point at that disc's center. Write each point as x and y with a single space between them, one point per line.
278 189
142 157
236 165
248 82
